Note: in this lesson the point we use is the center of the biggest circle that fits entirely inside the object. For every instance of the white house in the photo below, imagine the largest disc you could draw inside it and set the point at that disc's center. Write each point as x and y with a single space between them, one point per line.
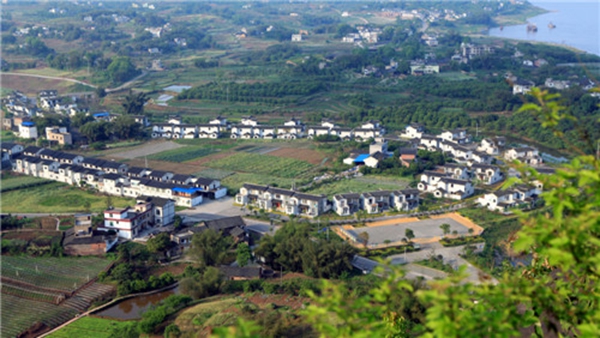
429 142
526 155
405 200
445 187
413 130
489 146
27 129
376 201
522 86
453 170
488 174
503 200
458 135
374 159
127 222
249 121
210 130
346 204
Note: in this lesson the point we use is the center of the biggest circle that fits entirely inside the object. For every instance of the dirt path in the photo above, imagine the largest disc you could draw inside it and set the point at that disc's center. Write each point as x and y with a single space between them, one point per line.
50 78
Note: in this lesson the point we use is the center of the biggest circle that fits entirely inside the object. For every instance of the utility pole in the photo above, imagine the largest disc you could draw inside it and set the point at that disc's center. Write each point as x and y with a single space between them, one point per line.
476 128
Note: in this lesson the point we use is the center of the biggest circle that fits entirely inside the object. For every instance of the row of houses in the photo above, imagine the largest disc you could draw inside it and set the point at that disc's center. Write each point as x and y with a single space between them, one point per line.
249 128
375 202
291 202
116 178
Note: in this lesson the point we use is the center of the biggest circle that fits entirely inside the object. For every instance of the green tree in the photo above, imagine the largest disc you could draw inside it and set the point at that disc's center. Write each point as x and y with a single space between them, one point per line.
445 228
409 233
125 127
177 222
172 331
244 255
364 238
159 243
96 131
121 69
80 119
100 92
210 247
134 103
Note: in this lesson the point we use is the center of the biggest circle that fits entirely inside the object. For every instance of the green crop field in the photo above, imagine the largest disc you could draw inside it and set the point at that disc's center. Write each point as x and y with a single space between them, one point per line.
65 273
18 314
235 182
263 164
90 327
215 174
14 182
57 198
360 185
181 154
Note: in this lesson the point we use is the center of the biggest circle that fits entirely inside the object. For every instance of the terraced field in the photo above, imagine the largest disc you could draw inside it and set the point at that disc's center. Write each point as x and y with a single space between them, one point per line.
64 274
89 327
19 314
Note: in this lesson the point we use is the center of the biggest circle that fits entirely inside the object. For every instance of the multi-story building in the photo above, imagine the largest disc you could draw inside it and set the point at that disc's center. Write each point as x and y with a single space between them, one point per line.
280 200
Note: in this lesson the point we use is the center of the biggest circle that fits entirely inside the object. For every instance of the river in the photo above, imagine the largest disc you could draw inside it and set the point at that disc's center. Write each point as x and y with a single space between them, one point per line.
577 25
133 308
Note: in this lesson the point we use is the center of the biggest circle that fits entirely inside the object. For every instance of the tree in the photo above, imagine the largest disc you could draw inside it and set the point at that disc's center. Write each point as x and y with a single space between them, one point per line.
244 255
409 234
100 92
210 247
159 243
96 131
80 119
134 103
445 228
121 69
172 331
125 127
177 222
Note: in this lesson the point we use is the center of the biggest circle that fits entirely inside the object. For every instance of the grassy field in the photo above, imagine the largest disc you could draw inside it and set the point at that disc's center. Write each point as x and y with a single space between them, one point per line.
182 154
263 164
7 136
12 182
57 198
65 273
91 327
360 184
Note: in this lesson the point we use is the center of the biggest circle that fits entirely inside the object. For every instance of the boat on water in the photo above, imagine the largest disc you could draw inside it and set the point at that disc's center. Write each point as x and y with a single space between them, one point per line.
551 25
532 27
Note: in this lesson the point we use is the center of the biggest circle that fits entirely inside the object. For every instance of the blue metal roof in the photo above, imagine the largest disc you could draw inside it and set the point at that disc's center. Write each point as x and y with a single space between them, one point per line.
28 124
101 114
361 158
187 190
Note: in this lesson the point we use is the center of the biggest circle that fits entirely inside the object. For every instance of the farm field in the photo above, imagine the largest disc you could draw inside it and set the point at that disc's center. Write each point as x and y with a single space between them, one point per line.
56 198
183 154
235 181
18 314
90 327
360 185
263 164
65 274
25 84
146 149
13 182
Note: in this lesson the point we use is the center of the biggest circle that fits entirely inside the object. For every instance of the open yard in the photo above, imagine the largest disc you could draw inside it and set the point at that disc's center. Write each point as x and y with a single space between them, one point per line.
91 327
57 198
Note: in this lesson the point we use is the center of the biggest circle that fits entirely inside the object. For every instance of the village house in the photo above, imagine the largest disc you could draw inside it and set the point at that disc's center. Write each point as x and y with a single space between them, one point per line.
345 134
504 200
453 170
429 142
346 204
471 51
187 131
10 150
221 122
489 146
183 238
288 201
457 135
59 135
444 187
420 67
315 131
128 222
374 159
82 240
488 174
405 200
408 156
27 129
243 131
527 155
229 226
375 201
163 209
413 130
522 86
209 130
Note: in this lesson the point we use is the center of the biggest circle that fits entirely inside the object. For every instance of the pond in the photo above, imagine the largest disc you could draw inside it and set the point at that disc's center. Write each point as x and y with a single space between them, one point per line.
133 308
